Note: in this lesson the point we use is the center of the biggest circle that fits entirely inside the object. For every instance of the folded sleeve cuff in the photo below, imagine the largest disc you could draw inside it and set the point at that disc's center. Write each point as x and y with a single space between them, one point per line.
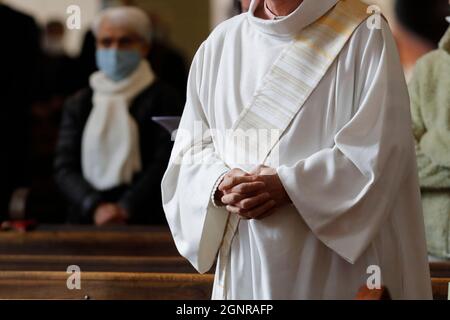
214 190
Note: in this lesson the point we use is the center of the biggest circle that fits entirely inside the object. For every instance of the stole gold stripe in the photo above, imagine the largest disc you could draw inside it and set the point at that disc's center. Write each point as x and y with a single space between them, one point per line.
271 109
310 58
324 36
255 119
309 43
287 96
282 92
277 110
273 118
291 79
337 26
326 40
293 89
298 64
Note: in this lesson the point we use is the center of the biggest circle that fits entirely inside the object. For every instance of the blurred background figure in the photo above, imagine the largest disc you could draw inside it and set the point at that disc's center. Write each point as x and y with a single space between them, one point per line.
167 62
55 64
43 68
417 26
110 156
52 86
420 25
18 59
53 38
430 103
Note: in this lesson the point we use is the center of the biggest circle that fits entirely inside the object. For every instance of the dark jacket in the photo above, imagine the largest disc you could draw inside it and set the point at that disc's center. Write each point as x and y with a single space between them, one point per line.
19 35
142 198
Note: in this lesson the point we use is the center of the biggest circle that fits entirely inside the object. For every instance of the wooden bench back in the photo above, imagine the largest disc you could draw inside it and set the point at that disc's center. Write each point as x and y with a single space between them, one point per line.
152 242
95 263
440 288
139 286
440 269
105 286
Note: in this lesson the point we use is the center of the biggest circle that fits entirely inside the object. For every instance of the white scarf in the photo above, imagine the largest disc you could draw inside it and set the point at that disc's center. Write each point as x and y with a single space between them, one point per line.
110 153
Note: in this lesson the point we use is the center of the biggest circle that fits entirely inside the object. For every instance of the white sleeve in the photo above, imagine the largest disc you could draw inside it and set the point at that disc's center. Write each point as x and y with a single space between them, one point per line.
345 192
190 179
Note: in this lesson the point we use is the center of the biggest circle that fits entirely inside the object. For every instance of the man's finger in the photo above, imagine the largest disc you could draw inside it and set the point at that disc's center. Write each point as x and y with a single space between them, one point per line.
232 198
255 213
252 202
230 182
248 187
236 210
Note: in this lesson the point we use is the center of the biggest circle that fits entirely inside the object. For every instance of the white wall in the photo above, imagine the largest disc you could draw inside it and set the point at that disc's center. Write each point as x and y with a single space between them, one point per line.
43 10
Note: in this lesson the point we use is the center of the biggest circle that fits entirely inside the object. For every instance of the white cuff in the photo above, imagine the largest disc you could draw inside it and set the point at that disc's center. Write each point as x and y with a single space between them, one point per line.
214 190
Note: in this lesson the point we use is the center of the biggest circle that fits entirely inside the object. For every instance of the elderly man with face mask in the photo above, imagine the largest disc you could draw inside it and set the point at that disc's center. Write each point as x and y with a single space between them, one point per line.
111 156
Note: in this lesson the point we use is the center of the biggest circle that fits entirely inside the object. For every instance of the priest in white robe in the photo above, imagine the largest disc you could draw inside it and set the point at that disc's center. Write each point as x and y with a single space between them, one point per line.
337 194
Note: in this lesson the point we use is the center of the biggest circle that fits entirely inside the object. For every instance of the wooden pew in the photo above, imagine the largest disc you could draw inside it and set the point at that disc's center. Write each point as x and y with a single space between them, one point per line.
138 286
440 269
440 288
174 264
105 286
88 240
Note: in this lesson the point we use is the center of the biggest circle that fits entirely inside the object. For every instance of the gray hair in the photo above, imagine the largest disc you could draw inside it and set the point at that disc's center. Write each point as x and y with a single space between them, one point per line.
132 18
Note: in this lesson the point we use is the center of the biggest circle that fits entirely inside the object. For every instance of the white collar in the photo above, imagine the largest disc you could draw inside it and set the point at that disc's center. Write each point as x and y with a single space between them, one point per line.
307 12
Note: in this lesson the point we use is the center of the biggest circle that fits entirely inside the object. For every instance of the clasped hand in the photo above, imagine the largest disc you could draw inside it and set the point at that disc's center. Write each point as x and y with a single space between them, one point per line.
253 195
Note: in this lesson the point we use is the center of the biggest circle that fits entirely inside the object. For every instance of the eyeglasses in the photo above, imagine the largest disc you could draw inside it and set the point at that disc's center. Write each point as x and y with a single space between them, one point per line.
121 42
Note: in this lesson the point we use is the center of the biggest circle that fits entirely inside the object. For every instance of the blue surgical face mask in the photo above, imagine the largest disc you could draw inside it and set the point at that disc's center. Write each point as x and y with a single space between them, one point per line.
117 64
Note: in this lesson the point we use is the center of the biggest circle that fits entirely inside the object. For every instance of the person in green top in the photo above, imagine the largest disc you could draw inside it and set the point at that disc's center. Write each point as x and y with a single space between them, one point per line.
430 103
